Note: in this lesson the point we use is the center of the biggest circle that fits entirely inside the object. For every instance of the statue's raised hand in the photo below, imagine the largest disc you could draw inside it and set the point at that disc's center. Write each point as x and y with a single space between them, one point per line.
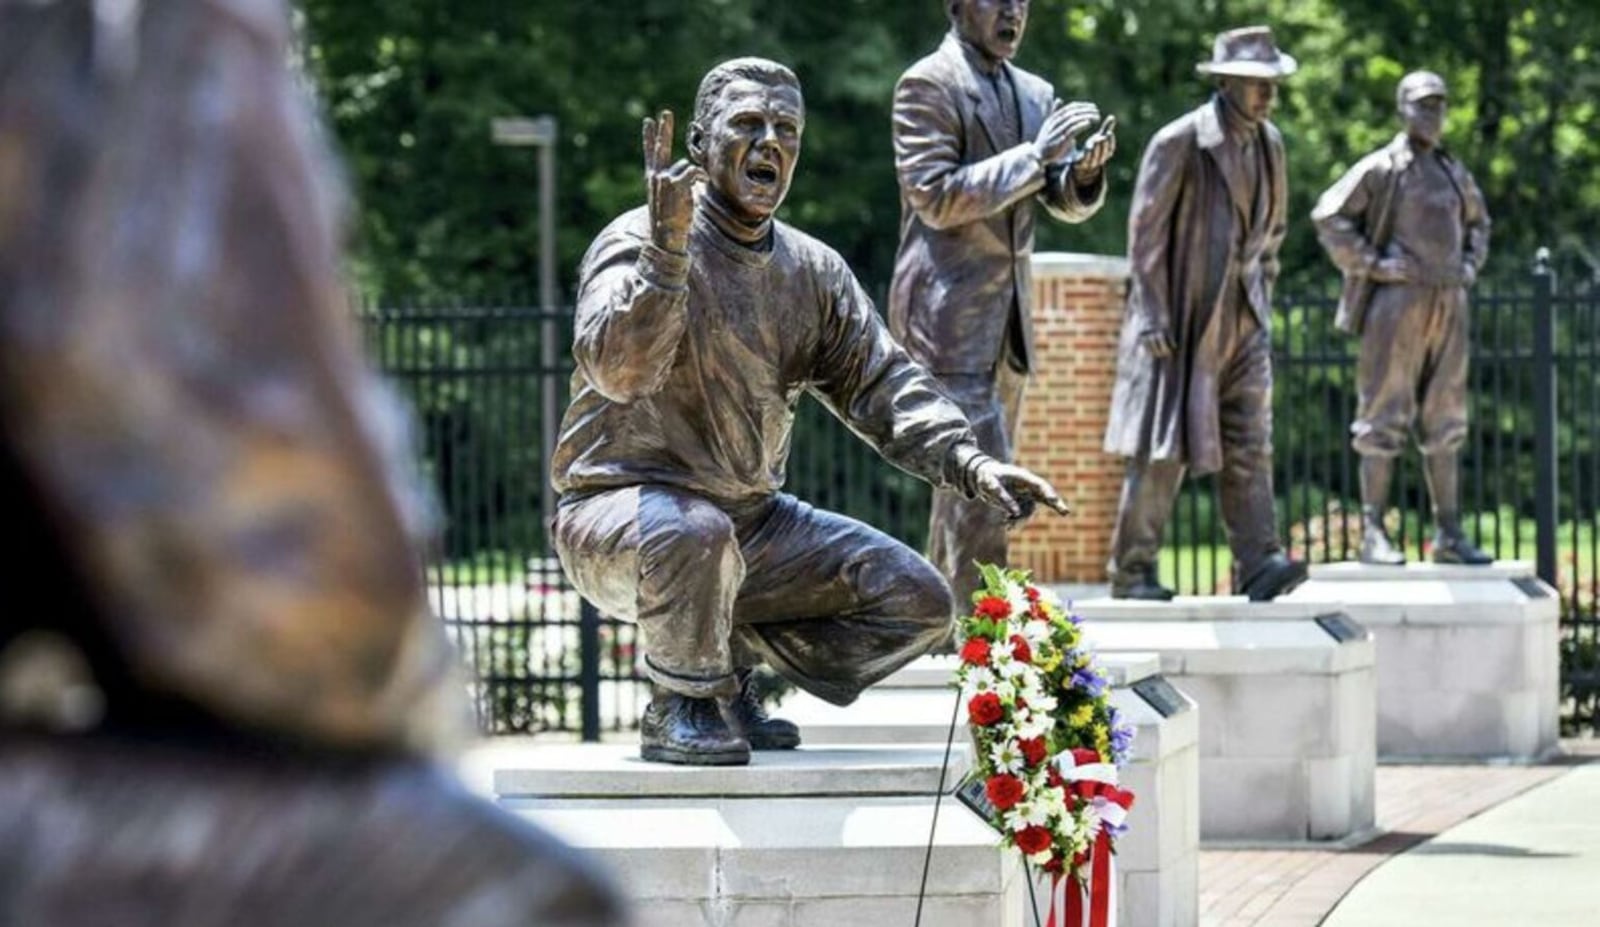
671 185
1060 130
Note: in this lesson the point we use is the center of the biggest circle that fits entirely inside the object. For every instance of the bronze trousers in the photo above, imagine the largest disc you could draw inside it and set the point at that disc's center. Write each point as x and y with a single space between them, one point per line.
831 604
1243 393
1412 372
962 531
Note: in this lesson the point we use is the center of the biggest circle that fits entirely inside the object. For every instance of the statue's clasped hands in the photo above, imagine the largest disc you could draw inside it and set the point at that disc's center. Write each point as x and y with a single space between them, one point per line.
671 185
1057 141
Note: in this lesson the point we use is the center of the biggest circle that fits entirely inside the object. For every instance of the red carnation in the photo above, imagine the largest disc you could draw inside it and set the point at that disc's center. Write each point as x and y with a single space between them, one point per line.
1052 775
1033 839
1033 750
1020 651
1054 865
1032 593
984 709
975 651
994 607
1004 791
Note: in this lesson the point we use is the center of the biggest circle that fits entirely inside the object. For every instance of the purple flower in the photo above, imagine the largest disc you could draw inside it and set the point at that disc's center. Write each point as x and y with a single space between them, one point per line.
1121 737
1087 678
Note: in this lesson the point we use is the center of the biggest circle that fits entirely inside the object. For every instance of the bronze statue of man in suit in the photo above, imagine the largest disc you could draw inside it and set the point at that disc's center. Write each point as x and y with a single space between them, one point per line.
701 320
977 142
1194 366
1408 227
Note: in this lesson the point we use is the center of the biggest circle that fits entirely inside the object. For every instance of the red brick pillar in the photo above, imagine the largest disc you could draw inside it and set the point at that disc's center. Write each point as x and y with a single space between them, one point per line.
1077 314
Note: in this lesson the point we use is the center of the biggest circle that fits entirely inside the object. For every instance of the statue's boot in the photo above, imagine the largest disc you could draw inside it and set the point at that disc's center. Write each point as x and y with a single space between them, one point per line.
1275 575
1376 546
1450 544
689 732
750 716
1139 583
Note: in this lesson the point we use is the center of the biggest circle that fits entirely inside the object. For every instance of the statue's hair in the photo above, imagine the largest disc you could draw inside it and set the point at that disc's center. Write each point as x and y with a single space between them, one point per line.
761 70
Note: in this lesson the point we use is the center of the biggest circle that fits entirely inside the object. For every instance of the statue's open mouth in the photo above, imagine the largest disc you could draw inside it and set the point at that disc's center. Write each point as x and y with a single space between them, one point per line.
1008 33
762 173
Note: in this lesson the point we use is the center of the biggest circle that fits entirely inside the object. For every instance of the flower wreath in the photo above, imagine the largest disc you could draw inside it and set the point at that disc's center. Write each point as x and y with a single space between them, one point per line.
1047 740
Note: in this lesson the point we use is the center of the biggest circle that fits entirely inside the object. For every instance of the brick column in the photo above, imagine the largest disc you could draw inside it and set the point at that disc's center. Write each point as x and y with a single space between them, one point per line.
1077 314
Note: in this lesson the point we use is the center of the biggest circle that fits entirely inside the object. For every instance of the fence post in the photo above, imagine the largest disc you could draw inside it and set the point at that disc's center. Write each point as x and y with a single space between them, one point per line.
1544 397
589 669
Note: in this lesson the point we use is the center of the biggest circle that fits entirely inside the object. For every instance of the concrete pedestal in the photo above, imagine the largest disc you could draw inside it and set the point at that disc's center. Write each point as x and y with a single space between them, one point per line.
1158 859
1468 657
1287 717
810 838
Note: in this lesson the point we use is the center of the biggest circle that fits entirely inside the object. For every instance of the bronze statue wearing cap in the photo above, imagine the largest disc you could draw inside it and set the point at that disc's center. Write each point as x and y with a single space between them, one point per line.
979 144
1408 227
1194 366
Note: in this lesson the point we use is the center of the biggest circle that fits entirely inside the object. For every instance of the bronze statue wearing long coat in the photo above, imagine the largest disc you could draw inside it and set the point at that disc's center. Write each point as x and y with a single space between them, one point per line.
1194 367
1185 261
961 299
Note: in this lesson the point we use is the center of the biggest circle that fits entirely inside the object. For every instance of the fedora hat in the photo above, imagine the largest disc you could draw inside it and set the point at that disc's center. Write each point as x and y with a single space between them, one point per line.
1248 52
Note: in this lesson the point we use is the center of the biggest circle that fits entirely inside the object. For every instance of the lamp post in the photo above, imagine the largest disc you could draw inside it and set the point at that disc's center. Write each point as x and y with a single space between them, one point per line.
540 132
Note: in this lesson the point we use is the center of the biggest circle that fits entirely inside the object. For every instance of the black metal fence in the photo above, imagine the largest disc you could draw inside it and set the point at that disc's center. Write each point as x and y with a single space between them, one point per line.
543 660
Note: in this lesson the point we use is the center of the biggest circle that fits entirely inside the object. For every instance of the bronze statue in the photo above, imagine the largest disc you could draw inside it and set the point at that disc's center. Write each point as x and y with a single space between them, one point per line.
1194 366
230 707
701 320
1408 227
977 142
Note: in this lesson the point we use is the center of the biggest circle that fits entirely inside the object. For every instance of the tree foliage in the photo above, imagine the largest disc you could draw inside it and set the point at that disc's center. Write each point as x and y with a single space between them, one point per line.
411 85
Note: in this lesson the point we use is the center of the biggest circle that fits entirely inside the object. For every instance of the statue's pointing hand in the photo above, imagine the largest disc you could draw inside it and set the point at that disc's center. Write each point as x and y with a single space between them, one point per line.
1014 490
671 185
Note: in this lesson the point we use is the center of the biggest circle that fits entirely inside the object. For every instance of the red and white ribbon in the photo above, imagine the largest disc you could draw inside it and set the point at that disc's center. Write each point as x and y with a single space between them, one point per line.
1086 894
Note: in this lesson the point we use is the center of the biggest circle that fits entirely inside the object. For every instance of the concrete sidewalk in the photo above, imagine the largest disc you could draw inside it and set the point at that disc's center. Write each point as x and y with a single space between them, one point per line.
1533 860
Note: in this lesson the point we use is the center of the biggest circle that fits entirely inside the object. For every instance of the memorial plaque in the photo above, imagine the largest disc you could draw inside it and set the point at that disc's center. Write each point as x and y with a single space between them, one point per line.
1341 628
1531 587
1160 695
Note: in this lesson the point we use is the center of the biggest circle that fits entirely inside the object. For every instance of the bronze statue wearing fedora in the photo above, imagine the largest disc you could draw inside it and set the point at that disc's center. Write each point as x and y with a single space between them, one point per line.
1408 227
978 144
1194 365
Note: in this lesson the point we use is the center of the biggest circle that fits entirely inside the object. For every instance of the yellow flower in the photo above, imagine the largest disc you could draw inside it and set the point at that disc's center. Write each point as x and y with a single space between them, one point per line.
1049 661
1081 715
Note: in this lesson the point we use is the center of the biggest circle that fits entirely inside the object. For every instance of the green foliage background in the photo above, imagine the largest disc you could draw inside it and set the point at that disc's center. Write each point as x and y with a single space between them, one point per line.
410 86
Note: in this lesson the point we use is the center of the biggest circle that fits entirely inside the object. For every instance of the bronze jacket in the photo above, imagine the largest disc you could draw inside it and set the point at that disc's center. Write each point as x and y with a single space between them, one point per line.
689 368
966 213
1190 257
1355 217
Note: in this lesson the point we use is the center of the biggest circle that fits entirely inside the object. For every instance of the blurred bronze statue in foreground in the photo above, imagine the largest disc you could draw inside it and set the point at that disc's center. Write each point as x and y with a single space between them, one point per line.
1194 365
701 320
1408 227
978 143
229 707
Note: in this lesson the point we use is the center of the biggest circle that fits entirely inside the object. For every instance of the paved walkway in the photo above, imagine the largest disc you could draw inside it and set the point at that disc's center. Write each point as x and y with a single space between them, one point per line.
1532 860
1419 809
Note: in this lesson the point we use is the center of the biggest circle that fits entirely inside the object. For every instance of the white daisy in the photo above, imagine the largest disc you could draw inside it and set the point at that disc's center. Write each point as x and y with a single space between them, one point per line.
1007 756
979 680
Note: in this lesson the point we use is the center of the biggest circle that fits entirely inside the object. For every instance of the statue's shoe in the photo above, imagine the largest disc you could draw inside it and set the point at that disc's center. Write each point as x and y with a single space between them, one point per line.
689 732
1144 587
763 731
1455 548
1377 549
1277 575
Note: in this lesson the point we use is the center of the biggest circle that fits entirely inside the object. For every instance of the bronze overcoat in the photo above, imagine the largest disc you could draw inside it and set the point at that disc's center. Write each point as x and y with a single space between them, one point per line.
966 215
1187 260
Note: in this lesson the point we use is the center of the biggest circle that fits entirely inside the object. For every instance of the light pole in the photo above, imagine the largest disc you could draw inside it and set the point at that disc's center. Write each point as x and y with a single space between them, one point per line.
540 132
